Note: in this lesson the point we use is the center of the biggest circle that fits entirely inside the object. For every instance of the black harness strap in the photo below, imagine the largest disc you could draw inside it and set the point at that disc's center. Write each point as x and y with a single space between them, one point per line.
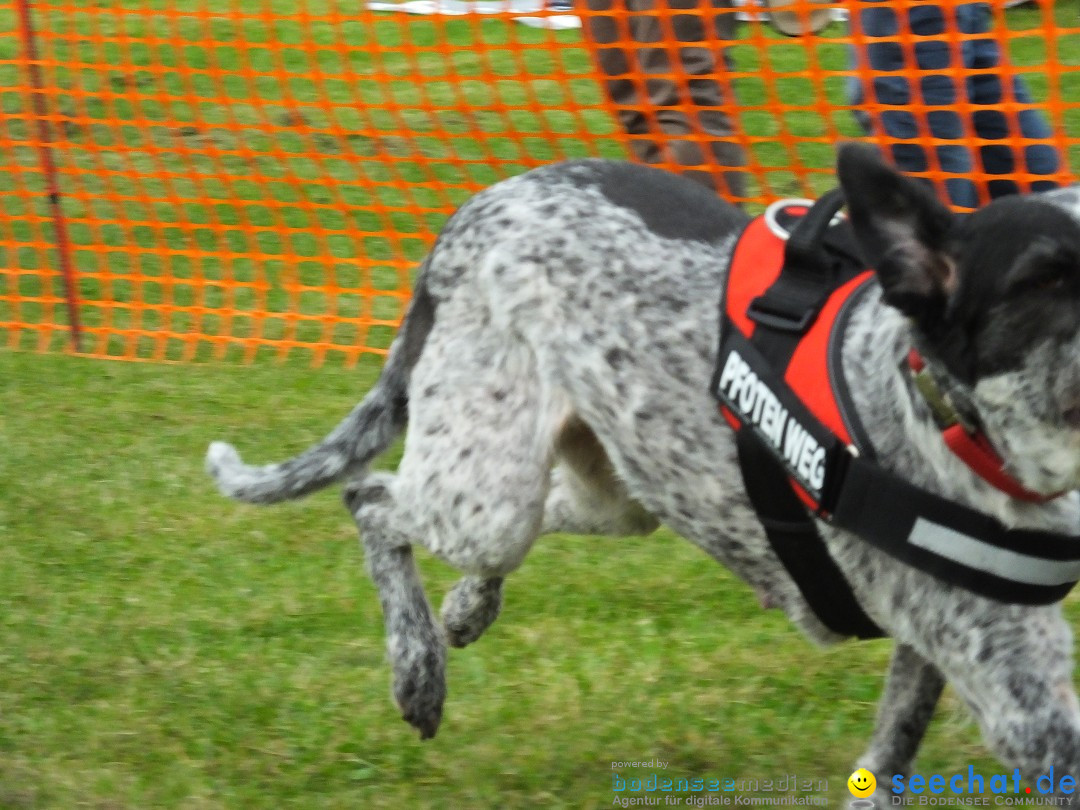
812 270
817 260
956 544
795 539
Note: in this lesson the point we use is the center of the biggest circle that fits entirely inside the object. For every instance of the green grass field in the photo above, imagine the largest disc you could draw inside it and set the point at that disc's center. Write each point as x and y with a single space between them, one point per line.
161 647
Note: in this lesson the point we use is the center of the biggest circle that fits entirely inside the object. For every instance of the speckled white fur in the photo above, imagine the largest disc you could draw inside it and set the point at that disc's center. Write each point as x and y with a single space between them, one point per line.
553 372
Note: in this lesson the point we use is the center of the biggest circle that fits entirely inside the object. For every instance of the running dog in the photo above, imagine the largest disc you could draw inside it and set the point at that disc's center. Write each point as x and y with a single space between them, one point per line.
553 370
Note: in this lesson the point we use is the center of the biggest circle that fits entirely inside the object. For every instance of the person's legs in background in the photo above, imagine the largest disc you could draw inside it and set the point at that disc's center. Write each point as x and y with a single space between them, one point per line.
675 121
939 92
704 70
935 90
988 88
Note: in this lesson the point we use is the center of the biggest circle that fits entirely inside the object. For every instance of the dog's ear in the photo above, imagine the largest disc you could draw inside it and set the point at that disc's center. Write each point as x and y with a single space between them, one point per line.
902 229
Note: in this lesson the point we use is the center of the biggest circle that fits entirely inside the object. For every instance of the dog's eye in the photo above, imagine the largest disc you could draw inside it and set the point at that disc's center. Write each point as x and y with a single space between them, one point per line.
1053 281
1044 267
1044 277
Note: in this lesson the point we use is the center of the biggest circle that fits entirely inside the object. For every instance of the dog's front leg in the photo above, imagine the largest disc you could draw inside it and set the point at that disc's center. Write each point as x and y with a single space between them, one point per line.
1039 733
912 689
1036 728
1014 668
414 640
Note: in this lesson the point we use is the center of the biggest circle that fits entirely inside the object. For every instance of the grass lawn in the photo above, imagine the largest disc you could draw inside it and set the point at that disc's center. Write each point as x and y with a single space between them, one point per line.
161 647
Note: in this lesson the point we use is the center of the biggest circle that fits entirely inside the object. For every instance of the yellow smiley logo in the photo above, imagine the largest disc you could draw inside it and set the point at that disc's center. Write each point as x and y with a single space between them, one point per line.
861 783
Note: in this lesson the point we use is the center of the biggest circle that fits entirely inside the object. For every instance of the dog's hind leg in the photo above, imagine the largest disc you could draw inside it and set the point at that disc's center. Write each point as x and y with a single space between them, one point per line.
912 690
585 497
414 642
470 488
470 608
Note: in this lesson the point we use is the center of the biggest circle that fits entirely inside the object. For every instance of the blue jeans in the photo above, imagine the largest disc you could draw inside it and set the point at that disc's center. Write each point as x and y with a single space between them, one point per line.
939 90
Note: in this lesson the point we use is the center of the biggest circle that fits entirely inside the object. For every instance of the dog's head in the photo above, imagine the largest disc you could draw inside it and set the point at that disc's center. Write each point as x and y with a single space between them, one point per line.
994 301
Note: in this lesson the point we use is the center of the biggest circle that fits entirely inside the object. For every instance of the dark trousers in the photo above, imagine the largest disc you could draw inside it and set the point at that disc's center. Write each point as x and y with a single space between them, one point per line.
942 93
662 107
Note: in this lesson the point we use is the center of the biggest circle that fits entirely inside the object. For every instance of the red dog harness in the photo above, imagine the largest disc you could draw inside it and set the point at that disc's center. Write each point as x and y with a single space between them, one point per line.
755 267
805 454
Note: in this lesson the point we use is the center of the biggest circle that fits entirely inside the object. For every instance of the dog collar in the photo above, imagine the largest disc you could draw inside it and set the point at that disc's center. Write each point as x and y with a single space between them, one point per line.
966 440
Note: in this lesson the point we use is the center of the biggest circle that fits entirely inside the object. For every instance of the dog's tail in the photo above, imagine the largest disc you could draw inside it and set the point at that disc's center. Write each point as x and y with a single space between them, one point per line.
363 434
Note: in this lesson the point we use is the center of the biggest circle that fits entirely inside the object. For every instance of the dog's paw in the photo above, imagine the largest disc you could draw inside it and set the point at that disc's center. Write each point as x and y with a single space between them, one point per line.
470 608
420 690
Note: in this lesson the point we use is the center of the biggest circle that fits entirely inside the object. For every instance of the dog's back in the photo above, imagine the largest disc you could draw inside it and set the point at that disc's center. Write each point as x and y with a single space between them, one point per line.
509 255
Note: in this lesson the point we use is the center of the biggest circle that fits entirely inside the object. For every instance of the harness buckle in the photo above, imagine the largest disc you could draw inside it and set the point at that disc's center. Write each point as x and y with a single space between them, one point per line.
765 313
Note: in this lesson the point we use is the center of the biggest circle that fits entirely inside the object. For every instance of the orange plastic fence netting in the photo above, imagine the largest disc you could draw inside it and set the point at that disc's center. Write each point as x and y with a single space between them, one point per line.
244 178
